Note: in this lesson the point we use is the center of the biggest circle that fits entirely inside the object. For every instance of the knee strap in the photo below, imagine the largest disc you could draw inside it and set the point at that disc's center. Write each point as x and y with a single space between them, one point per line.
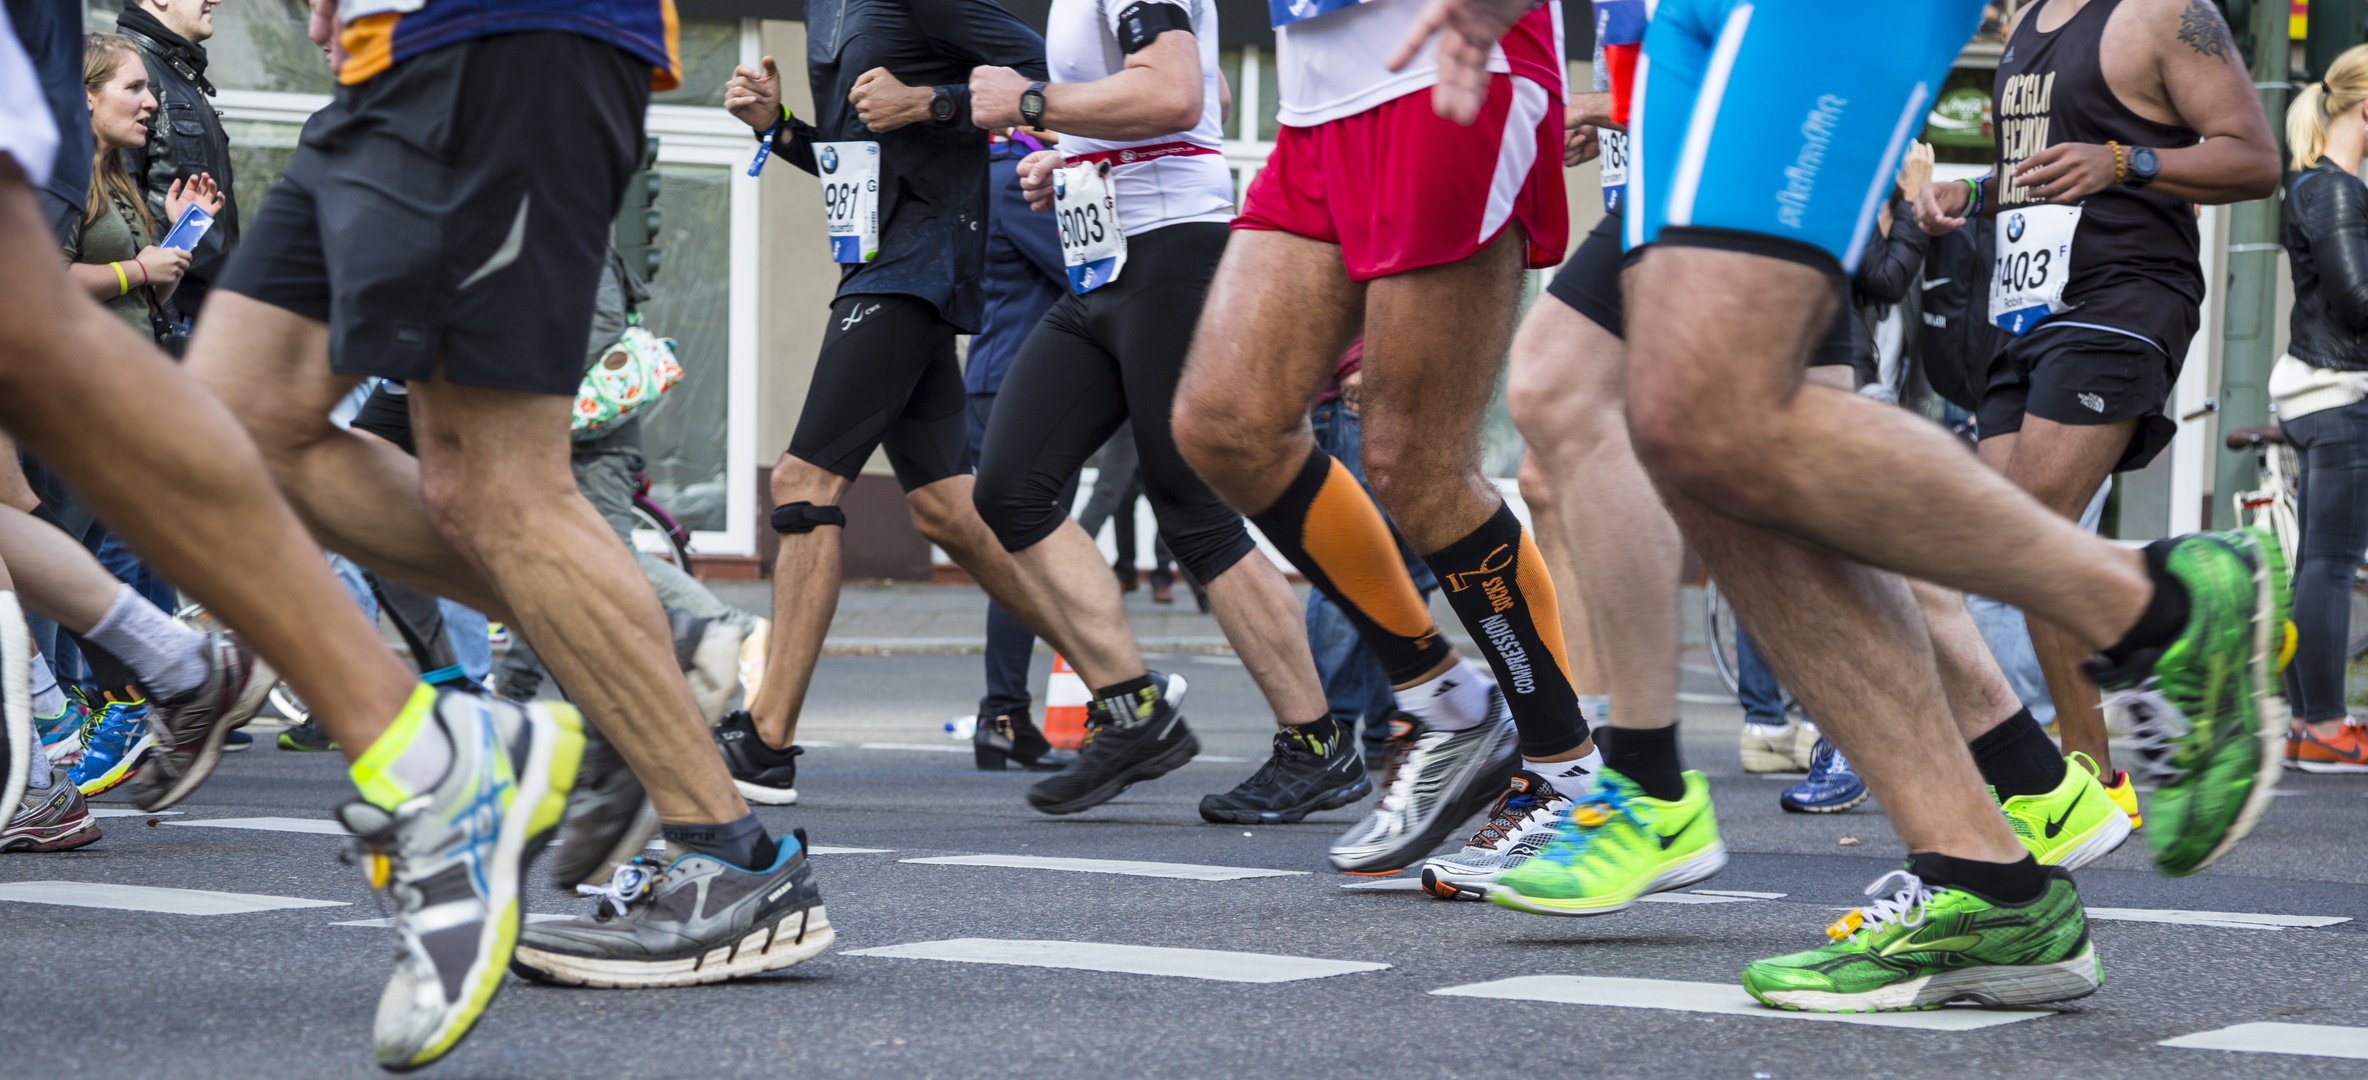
803 517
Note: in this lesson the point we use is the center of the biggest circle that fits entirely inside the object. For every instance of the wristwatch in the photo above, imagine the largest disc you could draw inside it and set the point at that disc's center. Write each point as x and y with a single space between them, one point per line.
941 104
1032 104
2143 166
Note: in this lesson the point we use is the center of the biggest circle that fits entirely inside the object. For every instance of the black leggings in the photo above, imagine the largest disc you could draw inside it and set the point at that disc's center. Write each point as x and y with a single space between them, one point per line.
1094 362
887 374
2333 447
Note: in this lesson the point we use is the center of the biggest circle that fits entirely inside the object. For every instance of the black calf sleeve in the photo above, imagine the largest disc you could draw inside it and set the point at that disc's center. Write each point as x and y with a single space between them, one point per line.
1496 581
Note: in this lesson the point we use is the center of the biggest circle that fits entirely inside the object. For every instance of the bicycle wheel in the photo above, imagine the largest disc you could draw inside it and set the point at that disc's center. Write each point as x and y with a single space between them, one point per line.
657 535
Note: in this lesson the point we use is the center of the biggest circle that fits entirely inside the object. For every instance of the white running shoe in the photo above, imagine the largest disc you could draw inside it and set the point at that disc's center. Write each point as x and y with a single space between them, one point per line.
1784 749
1433 782
1518 826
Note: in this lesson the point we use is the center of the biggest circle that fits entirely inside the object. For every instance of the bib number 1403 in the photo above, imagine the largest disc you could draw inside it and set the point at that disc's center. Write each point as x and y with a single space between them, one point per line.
1093 247
2034 261
850 174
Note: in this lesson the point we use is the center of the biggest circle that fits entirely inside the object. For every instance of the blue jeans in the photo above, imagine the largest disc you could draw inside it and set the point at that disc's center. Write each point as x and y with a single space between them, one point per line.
1755 685
1355 684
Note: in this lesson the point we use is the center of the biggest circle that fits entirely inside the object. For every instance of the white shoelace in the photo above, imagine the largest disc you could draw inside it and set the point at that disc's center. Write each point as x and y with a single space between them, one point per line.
2156 726
1904 906
1401 790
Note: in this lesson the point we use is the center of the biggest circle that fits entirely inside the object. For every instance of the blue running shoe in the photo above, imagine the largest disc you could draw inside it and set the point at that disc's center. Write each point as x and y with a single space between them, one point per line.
61 735
112 745
1832 787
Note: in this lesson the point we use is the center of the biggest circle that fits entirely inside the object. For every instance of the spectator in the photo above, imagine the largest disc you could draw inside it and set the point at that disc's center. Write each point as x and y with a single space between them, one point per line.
185 138
113 249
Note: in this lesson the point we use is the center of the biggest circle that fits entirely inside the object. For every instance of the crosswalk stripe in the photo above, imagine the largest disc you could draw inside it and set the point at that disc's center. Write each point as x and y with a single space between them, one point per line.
1693 898
386 923
2226 920
1724 998
1395 884
316 826
2313 1040
931 748
1238 967
811 849
91 894
118 811
1109 866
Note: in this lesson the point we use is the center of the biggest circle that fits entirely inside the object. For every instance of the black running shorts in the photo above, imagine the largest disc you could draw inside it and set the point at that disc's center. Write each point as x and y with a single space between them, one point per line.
887 376
2086 377
1589 282
456 208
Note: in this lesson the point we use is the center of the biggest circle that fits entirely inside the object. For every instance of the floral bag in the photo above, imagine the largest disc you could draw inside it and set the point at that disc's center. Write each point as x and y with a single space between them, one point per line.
630 376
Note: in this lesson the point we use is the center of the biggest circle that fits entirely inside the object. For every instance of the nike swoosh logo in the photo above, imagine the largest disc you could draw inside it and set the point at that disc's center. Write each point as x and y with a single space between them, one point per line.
2057 826
1672 837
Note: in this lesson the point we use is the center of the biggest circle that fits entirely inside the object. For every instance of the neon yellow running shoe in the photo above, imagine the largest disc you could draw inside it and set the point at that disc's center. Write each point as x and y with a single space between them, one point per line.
2072 826
1614 846
1921 947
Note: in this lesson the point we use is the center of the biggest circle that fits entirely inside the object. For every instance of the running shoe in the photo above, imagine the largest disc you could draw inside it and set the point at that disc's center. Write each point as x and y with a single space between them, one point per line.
17 734
1434 782
61 735
1522 821
1921 947
1303 775
1778 749
763 774
685 920
50 820
1616 844
235 741
2072 826
2205 712
609 818
309 735
114 743
2346 751
453 859
1832 787
1127 741
189 729
2124 793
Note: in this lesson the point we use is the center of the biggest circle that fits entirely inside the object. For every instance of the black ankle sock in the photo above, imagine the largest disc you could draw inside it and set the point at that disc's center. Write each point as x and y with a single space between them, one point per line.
2007 883
1124 689
2018 758
1321 736
741 843
2166 611
1647 756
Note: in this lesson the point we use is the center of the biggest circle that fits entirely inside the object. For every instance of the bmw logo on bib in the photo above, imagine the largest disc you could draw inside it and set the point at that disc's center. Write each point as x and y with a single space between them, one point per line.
830 159
2014 227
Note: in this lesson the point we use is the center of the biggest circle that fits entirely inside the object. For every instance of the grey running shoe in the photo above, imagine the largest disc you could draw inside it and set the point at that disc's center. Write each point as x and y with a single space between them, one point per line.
51 820
1518 826
18 738
685 920
452 861
609 818
190 728
1434 781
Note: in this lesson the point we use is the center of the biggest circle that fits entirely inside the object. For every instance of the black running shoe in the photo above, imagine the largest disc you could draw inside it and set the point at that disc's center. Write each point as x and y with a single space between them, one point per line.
1304 775
308 735
763 774
1127 741
609 818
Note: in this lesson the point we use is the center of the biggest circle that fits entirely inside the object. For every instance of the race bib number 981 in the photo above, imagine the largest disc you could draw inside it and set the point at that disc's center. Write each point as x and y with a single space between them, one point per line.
850 174
1092 245
2034 261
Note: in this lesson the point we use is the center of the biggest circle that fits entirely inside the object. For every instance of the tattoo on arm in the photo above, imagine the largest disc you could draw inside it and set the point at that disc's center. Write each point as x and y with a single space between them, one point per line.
2201 27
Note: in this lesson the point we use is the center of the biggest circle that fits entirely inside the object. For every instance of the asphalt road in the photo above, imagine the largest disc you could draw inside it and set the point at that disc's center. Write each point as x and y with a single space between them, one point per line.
122 993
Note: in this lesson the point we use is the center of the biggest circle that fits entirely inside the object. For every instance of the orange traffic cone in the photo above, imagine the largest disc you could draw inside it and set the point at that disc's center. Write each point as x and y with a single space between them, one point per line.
1065 699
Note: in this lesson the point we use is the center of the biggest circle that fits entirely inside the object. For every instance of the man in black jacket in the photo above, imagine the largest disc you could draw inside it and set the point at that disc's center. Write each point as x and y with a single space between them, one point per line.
185 137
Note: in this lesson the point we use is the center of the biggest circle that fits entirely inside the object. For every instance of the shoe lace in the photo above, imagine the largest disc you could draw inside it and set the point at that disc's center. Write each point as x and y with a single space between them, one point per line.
1507 818
2156 726
1825 762
628 885
1611 800
1904 906
1405 767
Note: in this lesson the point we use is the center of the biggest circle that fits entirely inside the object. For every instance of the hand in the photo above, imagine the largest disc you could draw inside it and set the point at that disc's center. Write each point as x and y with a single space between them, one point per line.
995 96
198 190
1472 28
1036 177
2066 172
1580 146
322 29
164 265
1940 208
1592 109
755 96
885 104
1352 392
1916 171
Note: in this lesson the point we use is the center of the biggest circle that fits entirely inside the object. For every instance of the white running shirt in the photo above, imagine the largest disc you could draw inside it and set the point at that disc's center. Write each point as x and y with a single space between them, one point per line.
1165 180
27 132
1337 64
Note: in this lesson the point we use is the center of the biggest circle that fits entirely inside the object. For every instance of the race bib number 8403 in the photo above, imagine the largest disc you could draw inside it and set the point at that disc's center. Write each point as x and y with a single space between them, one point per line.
2034 261
850 174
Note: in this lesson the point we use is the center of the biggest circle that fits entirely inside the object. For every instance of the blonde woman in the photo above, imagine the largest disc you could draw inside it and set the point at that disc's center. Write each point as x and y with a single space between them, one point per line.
113 251
2318 387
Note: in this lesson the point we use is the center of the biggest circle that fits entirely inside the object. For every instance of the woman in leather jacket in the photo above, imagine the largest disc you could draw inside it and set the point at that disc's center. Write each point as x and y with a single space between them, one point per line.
2326 237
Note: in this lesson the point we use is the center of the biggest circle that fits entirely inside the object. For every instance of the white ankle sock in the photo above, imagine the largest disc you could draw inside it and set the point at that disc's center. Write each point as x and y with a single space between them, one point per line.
36 767
1573 778
164 655
1455 699
48 699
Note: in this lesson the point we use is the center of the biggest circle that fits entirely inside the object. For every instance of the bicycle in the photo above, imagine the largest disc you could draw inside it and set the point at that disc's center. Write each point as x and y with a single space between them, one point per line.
673 543
2272 506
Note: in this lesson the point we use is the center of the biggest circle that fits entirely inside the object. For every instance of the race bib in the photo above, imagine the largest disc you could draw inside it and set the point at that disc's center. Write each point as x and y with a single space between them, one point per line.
1092 244
1615 168
1282 13
850 173
2034 261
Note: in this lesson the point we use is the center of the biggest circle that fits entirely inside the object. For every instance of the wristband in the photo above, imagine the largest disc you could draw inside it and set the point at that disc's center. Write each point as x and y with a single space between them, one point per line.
123 284
1973 202
2121 163
143 272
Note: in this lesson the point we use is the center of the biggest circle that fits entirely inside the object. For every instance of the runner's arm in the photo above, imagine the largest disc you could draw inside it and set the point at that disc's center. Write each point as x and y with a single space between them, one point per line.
1157 93
980 33
1892 261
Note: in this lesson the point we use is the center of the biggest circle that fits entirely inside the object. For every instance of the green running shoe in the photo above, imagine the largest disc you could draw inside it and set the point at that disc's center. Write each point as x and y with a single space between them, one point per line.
2072 826
2207 711
1922 947
1615 845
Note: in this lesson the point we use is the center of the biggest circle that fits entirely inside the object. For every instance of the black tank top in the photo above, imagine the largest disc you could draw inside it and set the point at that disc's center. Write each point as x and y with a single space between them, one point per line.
2134 265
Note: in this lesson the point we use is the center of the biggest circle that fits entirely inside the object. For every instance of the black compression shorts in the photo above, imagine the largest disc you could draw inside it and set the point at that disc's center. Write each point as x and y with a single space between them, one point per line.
887 376
456 207
1589 282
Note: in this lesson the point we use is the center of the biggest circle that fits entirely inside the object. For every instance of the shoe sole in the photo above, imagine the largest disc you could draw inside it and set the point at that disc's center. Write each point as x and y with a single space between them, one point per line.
1146 770
2098 844
1478 796
1792 807
770 796
1458 887
260 679
1696 868
16 705
1995 987
82 833
1330 800
2272 715
799 936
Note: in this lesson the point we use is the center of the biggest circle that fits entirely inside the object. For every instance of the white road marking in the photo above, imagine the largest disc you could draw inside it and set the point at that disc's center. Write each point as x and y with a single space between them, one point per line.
1693 898
385 923
1238 967
1188 871
91 894
927 748
2315 1040
112 811
316 826
1744 893
1725 998
2226 920
1214 759
1395 884
1225 661
812 849
1707 699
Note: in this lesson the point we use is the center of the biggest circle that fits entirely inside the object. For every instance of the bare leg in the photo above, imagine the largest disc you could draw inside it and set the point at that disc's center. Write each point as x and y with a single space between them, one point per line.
805 597
1978 694
60 580
171 471
1261 616
1083 603
1548 525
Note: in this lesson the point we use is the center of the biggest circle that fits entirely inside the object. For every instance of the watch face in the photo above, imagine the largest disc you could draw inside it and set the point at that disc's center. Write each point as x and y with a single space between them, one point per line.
942 107
2144 163
1032 104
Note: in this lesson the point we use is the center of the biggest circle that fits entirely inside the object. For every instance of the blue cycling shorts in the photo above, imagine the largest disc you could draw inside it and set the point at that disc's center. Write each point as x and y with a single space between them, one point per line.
1775 127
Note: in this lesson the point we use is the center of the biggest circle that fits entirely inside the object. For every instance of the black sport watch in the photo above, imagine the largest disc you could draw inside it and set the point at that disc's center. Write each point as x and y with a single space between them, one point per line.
2143 166
1032 105
941 104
